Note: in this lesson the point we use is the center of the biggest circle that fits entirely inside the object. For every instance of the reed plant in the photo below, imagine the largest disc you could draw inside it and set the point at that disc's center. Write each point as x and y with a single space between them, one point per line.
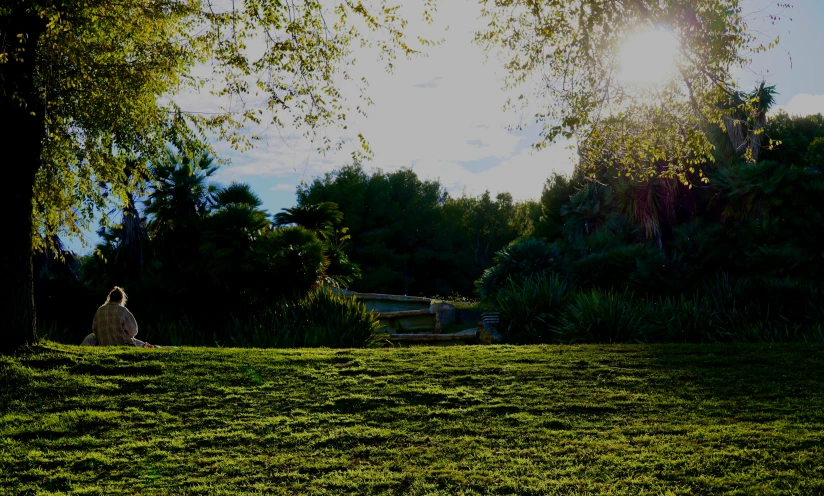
530 306
605 316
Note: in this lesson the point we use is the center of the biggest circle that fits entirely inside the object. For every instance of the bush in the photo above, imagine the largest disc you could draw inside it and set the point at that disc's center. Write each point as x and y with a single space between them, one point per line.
334 320
530 306
295 259
684 320
598 316
320 319
522 258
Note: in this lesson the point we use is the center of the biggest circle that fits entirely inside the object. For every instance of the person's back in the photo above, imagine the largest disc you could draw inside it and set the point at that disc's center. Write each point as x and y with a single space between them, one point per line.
113 323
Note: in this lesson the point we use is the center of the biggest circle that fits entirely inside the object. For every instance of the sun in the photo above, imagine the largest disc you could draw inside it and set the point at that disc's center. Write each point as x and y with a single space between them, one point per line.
648 58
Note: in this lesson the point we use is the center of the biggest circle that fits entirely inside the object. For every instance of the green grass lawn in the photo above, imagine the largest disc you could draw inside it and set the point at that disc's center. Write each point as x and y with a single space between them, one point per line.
633 419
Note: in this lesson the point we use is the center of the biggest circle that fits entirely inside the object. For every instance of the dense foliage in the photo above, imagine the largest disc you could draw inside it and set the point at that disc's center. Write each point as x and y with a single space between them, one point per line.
612 259
205 265
735 258
410 237
90 94
572 49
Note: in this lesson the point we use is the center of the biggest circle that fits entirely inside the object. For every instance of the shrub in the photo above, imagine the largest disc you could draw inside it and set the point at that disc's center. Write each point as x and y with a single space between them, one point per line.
521 258
612 258
530 306
182 332
320 319
341 271
684 320
295 261
274 328
815 154
598 316
334 320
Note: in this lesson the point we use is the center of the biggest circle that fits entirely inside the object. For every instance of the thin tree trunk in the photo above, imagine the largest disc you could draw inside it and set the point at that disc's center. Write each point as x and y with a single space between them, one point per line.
22 128
755 136
736 133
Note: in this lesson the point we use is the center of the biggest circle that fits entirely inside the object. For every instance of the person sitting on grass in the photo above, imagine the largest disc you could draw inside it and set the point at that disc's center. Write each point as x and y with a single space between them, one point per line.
114 324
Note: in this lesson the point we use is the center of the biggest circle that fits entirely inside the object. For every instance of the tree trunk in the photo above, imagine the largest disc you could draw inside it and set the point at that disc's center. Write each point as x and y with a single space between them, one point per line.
22 128
755 135
735 130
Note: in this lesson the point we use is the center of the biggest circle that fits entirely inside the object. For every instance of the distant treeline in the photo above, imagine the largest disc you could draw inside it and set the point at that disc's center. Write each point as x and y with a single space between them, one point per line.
409 236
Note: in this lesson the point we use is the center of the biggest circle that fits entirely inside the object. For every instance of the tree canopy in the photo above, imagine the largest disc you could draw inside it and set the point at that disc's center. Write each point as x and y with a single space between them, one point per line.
408 235
107 77
89 87
568 50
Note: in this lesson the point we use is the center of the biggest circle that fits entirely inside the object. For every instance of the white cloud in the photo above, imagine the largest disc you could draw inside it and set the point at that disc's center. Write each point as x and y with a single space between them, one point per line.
283 187
435 114
803 104
523 174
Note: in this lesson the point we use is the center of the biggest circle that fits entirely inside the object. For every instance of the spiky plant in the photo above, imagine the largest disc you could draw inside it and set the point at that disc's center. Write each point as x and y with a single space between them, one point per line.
746 118
320 218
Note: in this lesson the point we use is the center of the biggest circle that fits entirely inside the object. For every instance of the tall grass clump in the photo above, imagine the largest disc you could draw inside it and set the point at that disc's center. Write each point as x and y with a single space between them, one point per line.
273 328
684 320
530 306
604 316
334 320
319 319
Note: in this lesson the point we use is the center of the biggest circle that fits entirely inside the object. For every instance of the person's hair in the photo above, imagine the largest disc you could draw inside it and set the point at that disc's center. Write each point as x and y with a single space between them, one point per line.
117 295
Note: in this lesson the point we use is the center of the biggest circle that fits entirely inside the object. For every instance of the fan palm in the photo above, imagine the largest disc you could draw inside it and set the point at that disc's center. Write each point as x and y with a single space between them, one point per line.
229 239
231 230
179 200
130 256
180 193
587 209
54 257
320 218
323 220
651 204
237 193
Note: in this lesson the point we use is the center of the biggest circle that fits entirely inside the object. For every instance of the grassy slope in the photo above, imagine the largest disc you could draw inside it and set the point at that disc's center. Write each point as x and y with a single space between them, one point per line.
458 420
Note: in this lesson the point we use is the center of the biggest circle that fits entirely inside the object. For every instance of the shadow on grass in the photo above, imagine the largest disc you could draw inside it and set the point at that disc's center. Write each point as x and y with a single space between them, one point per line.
727 378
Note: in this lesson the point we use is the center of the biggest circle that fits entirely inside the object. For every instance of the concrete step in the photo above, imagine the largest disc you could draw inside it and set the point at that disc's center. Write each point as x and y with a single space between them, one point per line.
410 321
467 335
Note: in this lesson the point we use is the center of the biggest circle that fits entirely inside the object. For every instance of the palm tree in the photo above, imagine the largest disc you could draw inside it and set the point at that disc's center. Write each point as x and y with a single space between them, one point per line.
180 193
764 97
237 193
229 240
323 220
320 218
587 210
746 118
179 201
650 203
231 231
54 257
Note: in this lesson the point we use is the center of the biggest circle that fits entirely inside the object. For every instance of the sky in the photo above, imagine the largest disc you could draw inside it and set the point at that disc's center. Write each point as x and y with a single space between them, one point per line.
442 115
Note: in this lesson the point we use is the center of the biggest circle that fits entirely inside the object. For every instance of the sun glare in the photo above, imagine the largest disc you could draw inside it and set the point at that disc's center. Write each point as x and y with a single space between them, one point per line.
648 58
